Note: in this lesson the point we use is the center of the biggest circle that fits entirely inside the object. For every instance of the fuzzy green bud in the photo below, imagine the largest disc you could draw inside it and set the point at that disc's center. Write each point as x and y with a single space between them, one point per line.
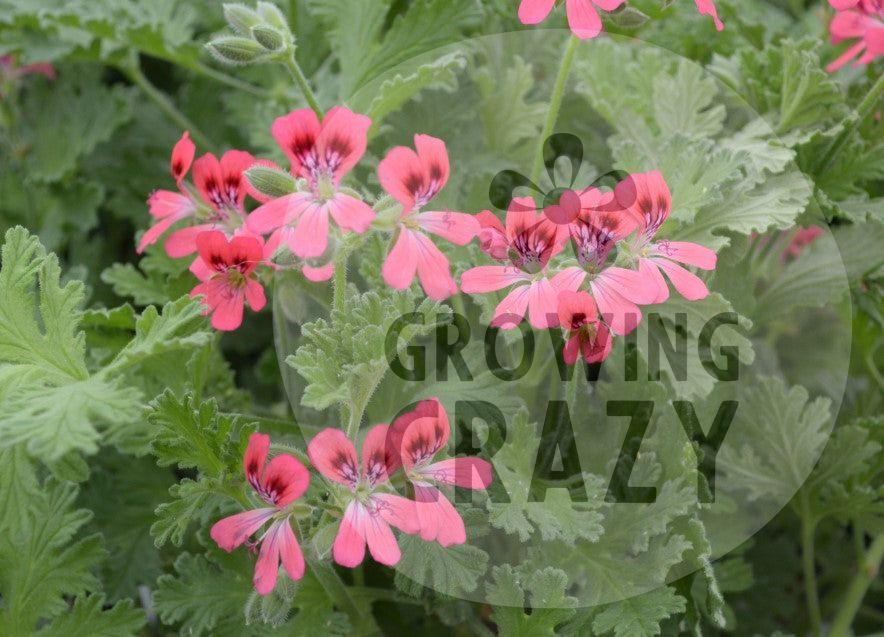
240 18
268 37
270 181
236 50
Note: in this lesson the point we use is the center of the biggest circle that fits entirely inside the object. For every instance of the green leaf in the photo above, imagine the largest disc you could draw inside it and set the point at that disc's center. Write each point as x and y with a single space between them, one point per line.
454 570
545 597
87 619
194 502
639 616
507 116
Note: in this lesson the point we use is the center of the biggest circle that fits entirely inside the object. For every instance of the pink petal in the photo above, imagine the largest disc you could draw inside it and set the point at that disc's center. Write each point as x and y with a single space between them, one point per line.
571 350
400 265
623 316
233 164
236 529
183 242
707 7
374 455
422 433
583 19
350 213
534 11
310 237
543 303
575 305
688 284
290 551
438 518
609 5
648 269
688 253
165 203
521 215
318 273
255 457
841 5
227 316
380 539
283 481
153 233
397 511
182 157
246 252
469 472
334 456
433 269
349 546
597 349
434 160
646 197
456 227
395 173
255 295
208 179
430 408
343 137
278 212
511 310
569 279
296 134
267 566
201 270
490 278
632 285
213 247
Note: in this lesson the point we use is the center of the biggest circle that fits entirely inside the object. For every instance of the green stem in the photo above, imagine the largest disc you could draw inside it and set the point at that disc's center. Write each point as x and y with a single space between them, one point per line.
335 589
867 571
298 75
230 81
808 528
133 72
864 109
555 104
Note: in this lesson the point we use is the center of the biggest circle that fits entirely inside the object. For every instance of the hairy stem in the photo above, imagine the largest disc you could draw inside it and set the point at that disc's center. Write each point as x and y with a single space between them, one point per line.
808 528
555 104
866 572
298 75
133 72
864 109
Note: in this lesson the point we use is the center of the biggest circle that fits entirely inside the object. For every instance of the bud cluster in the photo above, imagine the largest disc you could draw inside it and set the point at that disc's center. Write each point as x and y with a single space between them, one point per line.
261 34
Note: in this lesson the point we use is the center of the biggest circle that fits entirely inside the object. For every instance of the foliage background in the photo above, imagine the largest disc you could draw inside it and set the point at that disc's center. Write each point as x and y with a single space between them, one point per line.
122 418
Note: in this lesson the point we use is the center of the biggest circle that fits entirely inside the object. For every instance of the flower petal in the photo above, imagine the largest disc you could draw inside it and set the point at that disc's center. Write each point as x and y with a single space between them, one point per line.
254 458
534 11
511 310
397 511
438 518
688 253
456 227
310 237
232 531
342 140
583 19
278 212
351 213
283 481
267 566
467 472
374 455
397 171
622 315
490 278
290 551
349 546
433 269
400 265
543 304
182 157
334 456
296 135
182 243
688 284
420 434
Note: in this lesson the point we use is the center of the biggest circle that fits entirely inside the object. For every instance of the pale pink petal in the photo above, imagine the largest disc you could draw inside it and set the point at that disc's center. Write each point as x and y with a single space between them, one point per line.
201 269
434 160
296 135
165 203
688 284
278 212
153 233
707 7
255 456
310 237
290 551
490 278
396 171
433 269
380 539
511 310
182 157
374 455
632 285
267 566
845 57
236 529
183 242
350 213
432 412
583 19
521 215
343 139
227 315
456 227
622 315
841 5
468 472
255 295
318 273
648 269
439 520
543 303
334 456
575 309
534 11
687 253
349 546
397 511
283 481
400 265
571 351
569 279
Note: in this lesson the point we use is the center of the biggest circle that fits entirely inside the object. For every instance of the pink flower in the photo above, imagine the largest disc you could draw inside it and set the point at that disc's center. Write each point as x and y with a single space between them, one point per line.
279 484
707 7
599 226
803 238
321 154
645 196
369 511
226 269
587 336
583 19
860 20
11 70
413 440
530 241
413 179
215 200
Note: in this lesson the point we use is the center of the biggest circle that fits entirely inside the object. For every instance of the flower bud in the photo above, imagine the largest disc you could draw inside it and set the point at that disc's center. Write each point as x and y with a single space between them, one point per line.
235 50
271 14
268 37
270 181
240 18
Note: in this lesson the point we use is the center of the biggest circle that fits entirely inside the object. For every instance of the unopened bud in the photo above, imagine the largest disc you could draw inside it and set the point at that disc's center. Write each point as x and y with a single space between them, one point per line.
268 37
240 18
271 182
235 50
271 14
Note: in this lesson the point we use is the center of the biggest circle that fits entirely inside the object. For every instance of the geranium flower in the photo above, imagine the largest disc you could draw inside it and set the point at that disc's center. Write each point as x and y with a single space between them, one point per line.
707 7
321 154
414 439
803 238
646 197
279 484
216 201
860 20
583 19
587 335
369 511
413 179
226 269
10 69
598 227
531 241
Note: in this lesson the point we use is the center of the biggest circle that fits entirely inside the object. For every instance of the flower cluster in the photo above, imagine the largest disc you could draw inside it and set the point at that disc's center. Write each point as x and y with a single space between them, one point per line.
592 297
583 17
862 21
359 492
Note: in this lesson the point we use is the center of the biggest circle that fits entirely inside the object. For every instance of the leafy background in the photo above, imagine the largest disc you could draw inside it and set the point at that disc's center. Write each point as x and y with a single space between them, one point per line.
123 418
